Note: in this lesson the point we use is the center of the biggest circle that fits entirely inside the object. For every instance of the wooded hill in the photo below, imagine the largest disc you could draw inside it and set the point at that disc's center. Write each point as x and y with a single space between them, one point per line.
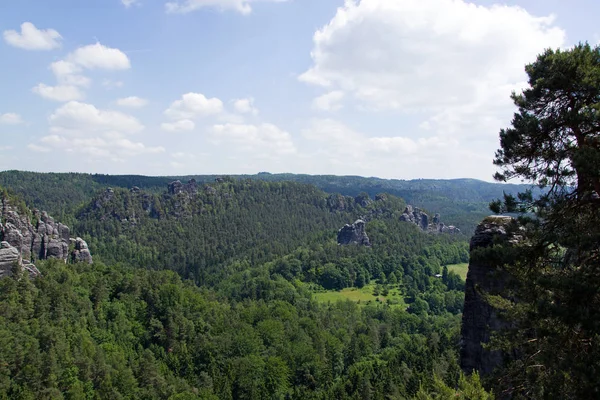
207 291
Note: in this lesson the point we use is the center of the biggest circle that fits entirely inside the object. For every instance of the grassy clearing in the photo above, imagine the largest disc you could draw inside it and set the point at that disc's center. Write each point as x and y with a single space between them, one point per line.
459 269
362 296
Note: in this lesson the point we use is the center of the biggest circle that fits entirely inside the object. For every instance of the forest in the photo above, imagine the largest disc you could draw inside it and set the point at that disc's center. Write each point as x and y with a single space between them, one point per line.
211 293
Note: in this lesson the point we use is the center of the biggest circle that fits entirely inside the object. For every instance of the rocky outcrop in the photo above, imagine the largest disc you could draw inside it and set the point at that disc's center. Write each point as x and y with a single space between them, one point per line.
177 187
81 253
24 242
353 234
422 220
480 319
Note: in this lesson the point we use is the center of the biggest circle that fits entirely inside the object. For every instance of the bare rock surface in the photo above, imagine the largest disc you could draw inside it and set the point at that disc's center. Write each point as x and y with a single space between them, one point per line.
353 234
24 242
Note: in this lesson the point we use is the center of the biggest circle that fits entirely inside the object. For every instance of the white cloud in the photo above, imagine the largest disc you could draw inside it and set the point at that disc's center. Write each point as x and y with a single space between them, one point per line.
186 6
264 140
81 118
444 52
245 106
336 148
109 146
68 73
98 56
60 93
10 119
83 130
182 125
132 102
32 38
194 105
448 64
129 3
329 101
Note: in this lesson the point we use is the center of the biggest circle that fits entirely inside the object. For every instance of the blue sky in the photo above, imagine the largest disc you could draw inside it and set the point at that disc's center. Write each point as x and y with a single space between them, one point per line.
388 88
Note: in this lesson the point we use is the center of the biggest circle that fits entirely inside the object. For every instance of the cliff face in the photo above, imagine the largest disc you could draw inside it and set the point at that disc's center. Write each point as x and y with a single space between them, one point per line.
479 318
22 243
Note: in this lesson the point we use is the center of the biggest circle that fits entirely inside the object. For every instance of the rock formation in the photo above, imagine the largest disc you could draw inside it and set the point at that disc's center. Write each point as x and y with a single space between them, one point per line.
480 319
177 187
353 234
81 253
22 242
422 220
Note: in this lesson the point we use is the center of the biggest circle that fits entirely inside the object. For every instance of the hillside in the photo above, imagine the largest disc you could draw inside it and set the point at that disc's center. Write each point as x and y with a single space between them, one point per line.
463 201
219 291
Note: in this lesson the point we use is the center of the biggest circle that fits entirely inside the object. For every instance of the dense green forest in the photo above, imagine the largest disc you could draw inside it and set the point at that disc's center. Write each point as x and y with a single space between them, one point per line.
210 293
462 201
117 332
245 325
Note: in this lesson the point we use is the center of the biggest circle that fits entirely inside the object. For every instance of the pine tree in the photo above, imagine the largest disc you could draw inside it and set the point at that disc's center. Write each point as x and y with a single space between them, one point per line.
554 143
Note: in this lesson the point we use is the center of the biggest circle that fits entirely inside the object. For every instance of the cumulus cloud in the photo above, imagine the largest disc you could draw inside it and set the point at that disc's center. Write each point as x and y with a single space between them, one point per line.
329 101
337 148
448 64
193 105
444 52
182 125
186 6
82 118
32 38
114 147
83 129
10 119
245 106
132 102
264 140
98 56
60 93
68 73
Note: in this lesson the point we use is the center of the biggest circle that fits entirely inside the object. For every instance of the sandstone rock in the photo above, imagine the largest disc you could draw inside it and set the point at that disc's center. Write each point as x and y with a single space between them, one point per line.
353 234
479 318
25 243
422 220
175 187
9 259
81 253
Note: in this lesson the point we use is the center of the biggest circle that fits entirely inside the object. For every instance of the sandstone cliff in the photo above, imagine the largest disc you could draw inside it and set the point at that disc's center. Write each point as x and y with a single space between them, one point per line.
480 319
23 242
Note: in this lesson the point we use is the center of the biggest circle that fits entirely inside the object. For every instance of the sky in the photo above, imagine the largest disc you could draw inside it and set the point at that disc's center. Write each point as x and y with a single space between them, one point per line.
389 88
